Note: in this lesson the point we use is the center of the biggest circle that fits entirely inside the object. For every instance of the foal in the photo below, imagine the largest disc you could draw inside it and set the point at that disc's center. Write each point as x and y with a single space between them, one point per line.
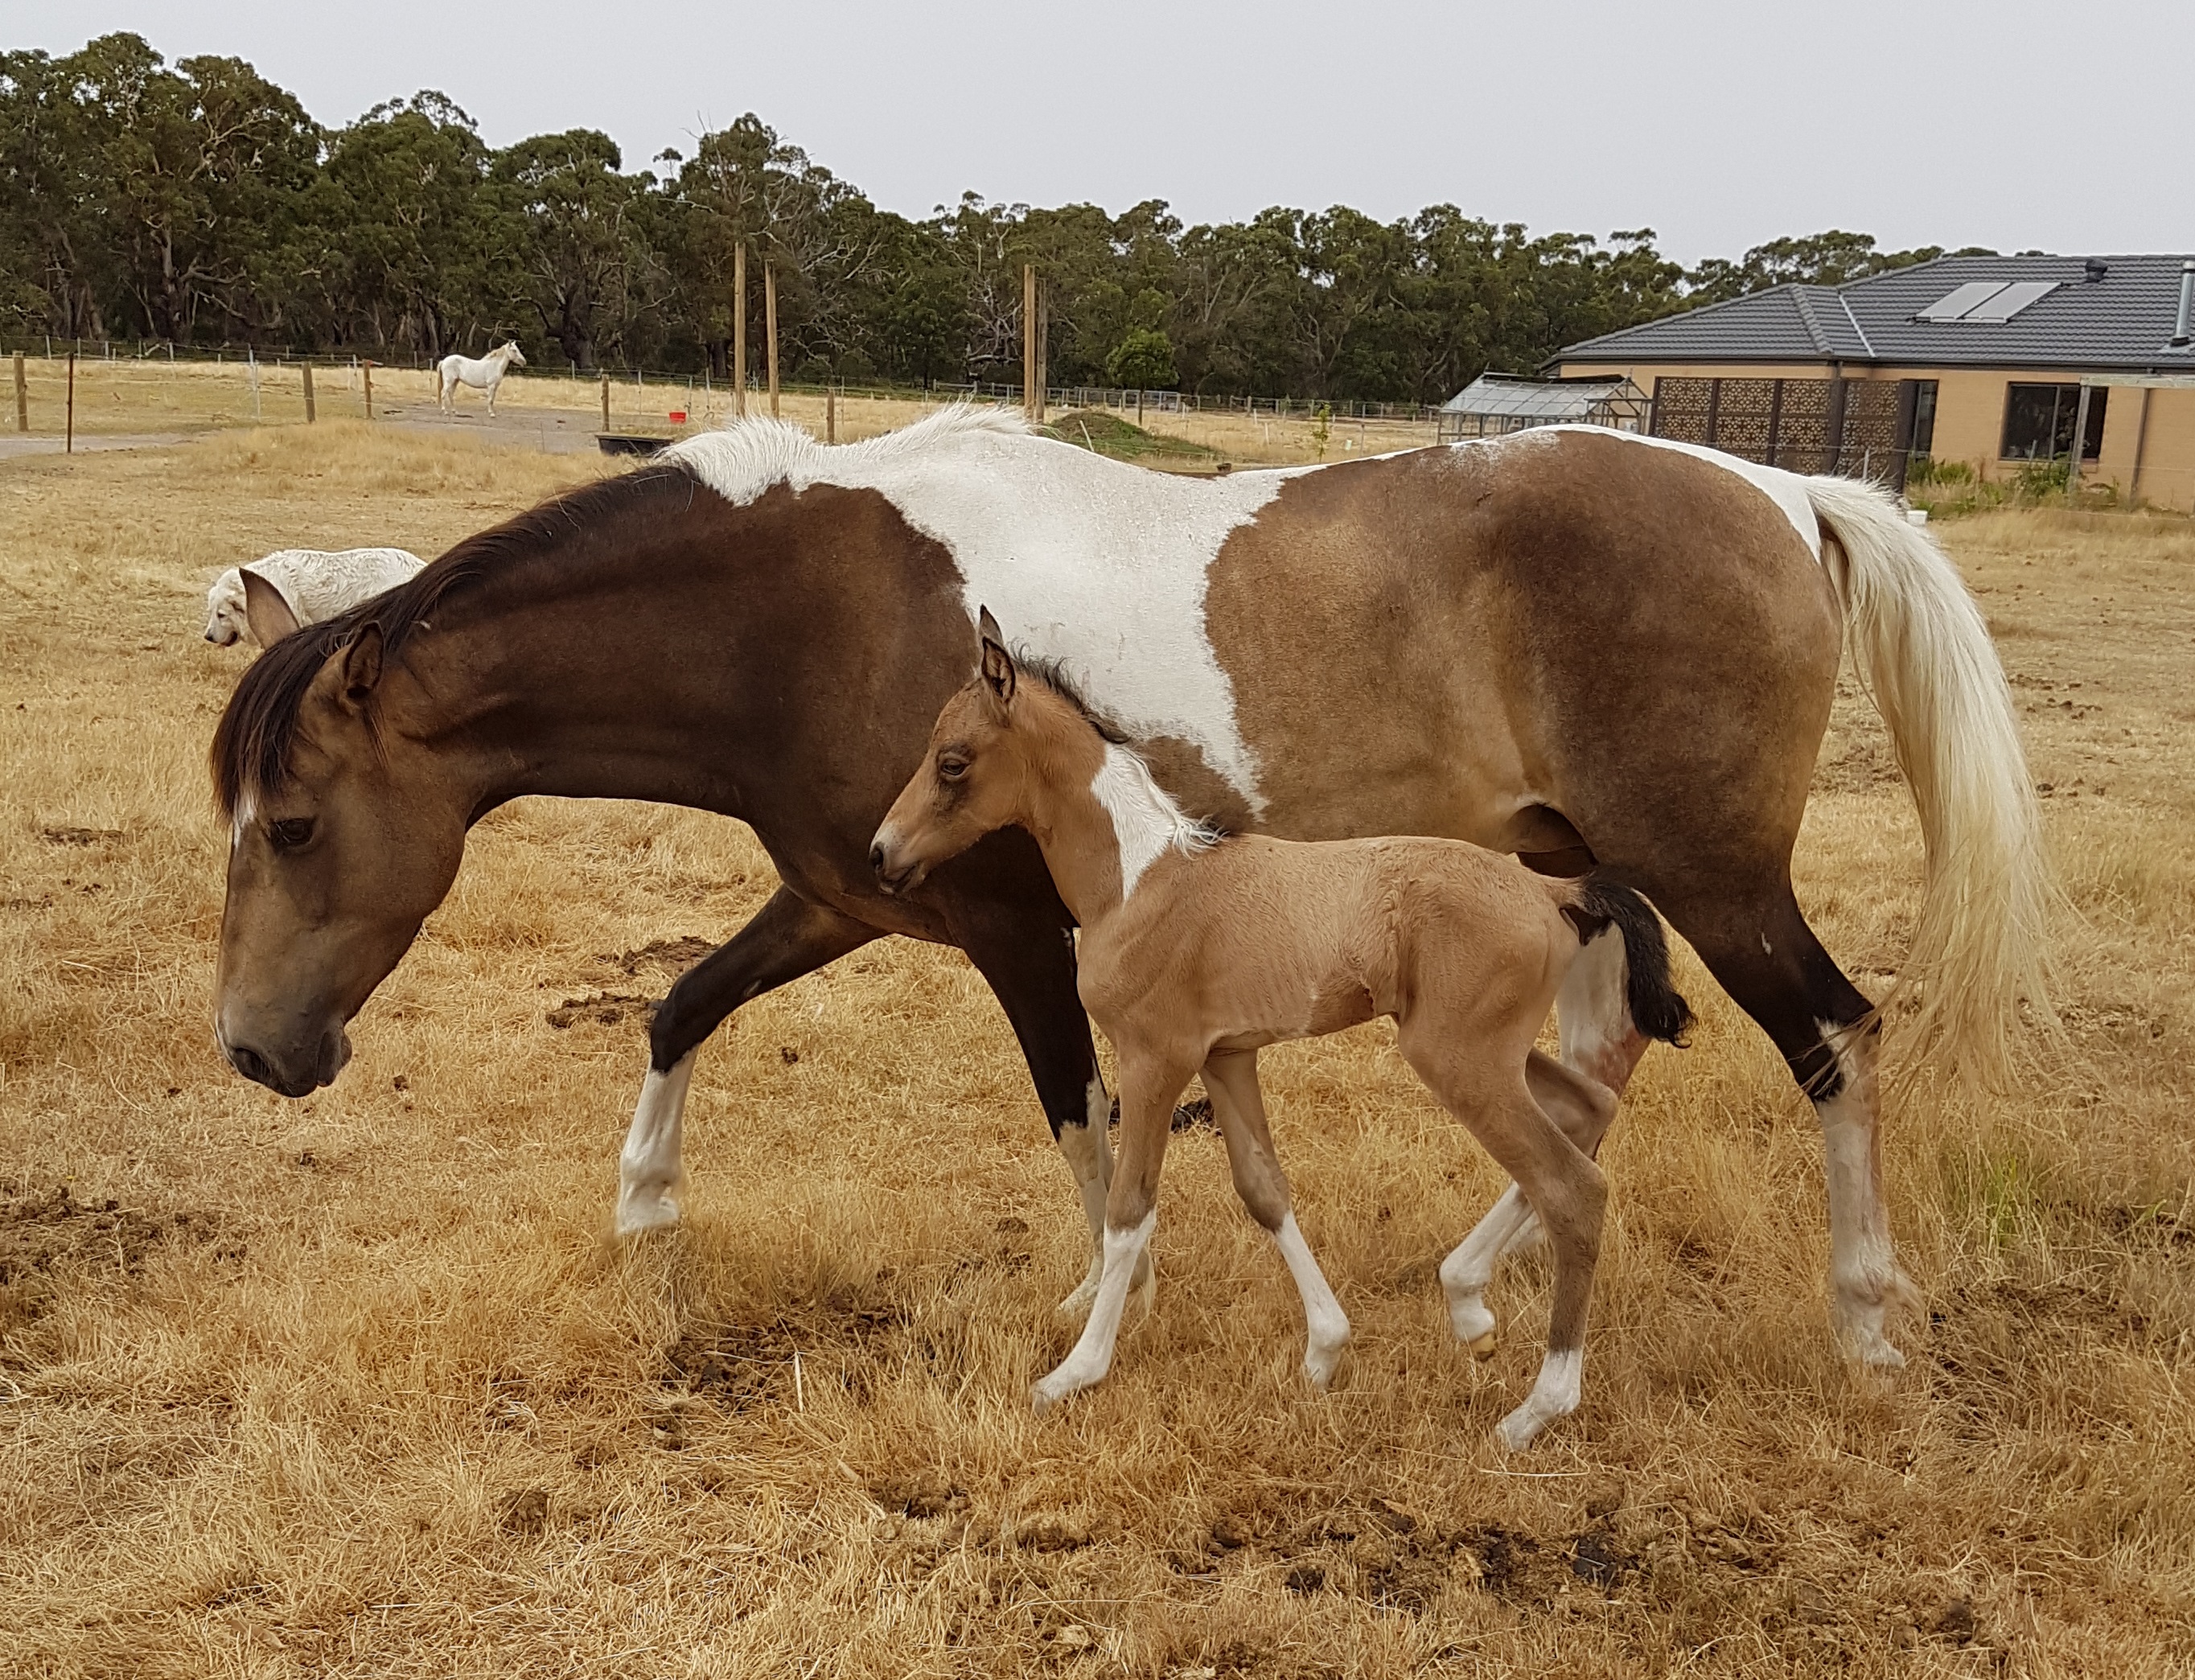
1196 950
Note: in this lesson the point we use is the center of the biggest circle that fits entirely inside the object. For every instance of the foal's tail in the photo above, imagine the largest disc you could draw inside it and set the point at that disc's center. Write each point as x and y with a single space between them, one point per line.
1982 943
1657 1009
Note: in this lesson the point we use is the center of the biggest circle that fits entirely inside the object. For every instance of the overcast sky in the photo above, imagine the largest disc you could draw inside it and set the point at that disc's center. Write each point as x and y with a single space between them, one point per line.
2013 125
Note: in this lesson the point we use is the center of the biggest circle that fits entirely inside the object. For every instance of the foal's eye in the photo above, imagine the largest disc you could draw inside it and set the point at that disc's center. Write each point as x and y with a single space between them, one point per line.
290 833
951 769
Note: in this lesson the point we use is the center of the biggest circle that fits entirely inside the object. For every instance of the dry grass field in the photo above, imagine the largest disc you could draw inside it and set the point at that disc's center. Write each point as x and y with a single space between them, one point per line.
156 397
362 1386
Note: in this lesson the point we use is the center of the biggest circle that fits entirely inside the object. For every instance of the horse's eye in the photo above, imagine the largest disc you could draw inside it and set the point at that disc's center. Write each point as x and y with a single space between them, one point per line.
951 769
290 833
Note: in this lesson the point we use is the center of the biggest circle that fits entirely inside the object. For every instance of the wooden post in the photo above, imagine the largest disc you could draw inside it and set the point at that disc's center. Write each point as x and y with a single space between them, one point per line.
366 370
769 328
605 402
1029 340
830 407
307 368
69 447
22 396
1043 356
739 330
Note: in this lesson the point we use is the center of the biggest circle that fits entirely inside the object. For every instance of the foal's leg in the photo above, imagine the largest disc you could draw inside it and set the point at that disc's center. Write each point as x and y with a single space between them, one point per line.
1583 1108
1019 937
1231 1078
1592 1026
1150 1087
788 937
1560 1181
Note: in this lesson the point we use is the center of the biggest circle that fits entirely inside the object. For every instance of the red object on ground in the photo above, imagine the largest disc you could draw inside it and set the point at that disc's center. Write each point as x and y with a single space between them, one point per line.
677 417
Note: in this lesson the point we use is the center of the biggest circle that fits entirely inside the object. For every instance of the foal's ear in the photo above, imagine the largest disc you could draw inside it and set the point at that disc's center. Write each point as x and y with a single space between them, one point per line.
362 667
998 664
265 610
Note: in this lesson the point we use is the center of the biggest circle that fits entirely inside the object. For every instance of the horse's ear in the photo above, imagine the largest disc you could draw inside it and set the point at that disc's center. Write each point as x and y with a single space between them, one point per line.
270 615
998 664
362 667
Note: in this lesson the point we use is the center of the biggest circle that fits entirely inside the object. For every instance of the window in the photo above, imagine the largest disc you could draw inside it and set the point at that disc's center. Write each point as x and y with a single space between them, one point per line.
1924 417
2038 422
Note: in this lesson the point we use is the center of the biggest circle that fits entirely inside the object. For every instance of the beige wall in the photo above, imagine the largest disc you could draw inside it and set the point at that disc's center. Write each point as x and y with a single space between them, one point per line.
1970 418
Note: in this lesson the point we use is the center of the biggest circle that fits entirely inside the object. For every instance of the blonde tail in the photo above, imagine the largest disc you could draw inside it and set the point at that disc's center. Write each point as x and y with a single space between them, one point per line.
1982 946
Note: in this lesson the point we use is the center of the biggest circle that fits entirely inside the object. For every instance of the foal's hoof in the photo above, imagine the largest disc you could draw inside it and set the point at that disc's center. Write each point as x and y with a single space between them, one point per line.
643 1213
1483 1346
1043 1397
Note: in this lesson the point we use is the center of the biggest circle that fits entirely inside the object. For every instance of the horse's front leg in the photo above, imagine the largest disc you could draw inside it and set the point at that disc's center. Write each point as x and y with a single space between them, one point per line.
1020 940
788 938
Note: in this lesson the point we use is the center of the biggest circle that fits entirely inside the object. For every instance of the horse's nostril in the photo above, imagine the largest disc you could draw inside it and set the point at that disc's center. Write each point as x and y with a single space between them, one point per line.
877 858
253 1066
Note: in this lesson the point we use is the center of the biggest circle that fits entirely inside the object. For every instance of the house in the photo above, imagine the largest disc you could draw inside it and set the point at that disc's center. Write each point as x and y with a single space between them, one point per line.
1998 362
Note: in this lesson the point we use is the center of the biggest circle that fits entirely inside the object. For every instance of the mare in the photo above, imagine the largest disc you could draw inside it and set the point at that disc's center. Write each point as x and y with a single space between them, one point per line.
1589 648
482 373
1198 949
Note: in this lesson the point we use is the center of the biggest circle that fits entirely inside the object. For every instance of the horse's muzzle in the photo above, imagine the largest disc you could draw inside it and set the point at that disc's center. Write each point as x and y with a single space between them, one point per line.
296 1079
893 878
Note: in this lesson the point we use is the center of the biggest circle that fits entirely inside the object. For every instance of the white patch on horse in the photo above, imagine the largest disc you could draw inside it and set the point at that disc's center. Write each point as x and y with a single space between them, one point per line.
1327 1324
1787 491
651 1165
1555 1394
1126 1252
1863 1269
1100 566
1146 823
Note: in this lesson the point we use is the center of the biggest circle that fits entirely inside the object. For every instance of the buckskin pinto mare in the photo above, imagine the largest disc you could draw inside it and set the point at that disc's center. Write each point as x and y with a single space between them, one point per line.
1198 949
1587 648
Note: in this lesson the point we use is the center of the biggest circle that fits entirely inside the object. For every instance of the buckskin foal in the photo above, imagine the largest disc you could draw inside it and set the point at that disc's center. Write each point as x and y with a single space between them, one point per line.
1584 646
1197 950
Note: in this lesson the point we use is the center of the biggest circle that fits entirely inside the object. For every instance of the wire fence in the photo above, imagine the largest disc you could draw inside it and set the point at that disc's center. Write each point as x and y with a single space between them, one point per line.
1118 399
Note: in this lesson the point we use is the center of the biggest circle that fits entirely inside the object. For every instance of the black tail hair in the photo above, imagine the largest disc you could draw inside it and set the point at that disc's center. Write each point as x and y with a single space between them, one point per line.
1657 1009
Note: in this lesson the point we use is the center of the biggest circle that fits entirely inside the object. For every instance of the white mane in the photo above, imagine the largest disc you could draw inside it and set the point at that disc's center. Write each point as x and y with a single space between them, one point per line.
748 457
1146 822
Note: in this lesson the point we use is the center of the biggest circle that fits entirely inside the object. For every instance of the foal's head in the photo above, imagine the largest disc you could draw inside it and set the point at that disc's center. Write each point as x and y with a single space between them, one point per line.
997 743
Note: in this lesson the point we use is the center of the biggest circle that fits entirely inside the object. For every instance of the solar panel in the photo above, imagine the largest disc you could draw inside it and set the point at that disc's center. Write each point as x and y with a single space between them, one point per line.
2011 301
1954 304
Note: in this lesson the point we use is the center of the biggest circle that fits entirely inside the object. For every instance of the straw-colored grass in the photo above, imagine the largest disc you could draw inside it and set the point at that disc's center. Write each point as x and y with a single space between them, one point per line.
362 1386
153 397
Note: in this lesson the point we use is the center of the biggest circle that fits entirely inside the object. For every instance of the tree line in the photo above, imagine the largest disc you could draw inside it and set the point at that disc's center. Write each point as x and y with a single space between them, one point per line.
201 205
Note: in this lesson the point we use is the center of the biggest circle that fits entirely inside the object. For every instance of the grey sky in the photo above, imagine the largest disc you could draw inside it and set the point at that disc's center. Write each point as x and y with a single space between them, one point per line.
2010 124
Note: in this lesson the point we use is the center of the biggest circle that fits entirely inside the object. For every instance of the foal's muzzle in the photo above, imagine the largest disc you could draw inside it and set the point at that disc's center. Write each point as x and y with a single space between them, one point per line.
893 875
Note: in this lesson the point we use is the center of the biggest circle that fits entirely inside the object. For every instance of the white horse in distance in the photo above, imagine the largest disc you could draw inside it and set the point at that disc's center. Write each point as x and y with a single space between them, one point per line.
294 587
483 373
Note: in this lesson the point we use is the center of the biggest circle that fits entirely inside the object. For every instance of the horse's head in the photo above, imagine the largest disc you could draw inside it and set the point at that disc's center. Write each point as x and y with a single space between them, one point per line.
345 837
975 777
513 356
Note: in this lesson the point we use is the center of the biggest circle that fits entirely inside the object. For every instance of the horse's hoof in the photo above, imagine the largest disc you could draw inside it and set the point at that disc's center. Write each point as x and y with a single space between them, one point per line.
1043 1399
1482 1346
1079 1300
1519 1430
642 1214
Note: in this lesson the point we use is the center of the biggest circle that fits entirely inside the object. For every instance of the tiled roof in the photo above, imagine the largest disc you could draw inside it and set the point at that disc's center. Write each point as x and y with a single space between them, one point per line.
2120 321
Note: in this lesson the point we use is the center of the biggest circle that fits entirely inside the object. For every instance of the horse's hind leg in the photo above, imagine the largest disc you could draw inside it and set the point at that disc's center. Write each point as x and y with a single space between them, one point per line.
1559 1180
1231 1078
1583 1108
788 937
1763 953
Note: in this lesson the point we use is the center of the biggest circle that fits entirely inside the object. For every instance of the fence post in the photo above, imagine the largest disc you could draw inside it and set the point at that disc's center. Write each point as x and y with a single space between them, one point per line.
69 447
1029 340
605 402
740 330
830 405
306 368
769 328
22 396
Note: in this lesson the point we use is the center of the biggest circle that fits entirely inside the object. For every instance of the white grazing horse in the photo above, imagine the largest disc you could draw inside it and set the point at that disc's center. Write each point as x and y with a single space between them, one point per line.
293 587
485 374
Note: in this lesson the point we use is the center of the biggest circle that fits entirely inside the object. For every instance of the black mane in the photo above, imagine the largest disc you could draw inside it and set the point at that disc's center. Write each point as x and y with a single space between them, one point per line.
251 745
1052 673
